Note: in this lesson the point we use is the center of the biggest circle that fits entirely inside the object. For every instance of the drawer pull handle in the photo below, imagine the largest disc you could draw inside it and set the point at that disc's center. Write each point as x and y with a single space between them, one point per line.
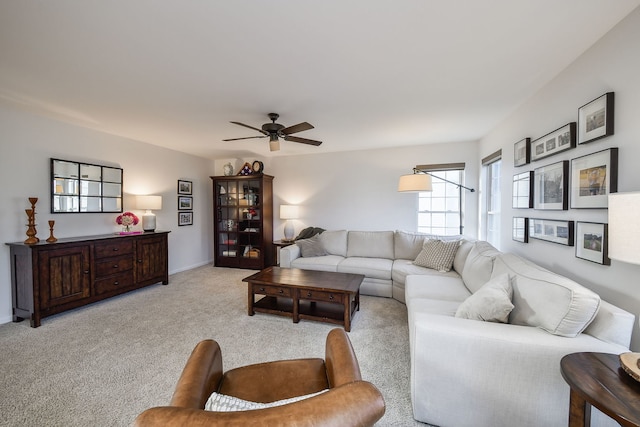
331 297
308 294
115 249
115 266
261 289
86 272
281 291
116 283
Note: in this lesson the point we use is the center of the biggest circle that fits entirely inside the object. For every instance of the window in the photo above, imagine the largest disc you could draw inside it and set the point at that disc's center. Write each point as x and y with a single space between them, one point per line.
440 210
492 165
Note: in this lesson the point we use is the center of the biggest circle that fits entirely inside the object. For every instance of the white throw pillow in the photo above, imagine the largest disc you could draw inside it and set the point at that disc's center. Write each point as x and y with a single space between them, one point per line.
437 254
491 303
222 403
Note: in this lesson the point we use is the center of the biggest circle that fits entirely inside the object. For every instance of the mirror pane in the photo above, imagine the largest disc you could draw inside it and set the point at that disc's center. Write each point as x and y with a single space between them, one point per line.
65 204
90 188
111 175
112 190
112 204
90 172
90 204
65 169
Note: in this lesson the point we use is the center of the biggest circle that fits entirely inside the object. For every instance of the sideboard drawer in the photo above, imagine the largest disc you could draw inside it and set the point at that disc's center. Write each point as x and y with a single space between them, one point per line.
113 247
313 295
113 283
113 266
275 291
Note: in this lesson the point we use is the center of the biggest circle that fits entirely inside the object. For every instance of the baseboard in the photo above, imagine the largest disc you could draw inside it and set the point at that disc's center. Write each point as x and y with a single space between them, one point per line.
6 319
191 267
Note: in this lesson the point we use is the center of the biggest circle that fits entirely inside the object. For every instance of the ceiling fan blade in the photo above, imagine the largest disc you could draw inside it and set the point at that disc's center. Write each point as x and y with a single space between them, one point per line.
302 140
250 127
246 137
297 128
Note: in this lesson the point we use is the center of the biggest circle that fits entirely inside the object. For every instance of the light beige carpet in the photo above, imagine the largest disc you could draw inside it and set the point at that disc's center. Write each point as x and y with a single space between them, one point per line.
103 364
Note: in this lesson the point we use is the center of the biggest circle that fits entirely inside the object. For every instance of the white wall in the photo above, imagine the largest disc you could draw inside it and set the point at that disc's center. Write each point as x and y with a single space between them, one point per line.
28 142
613 64
358 190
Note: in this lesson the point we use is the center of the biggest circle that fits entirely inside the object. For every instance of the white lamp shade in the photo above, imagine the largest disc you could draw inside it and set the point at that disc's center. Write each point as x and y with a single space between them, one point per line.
149 202
288 212
414 183
624 229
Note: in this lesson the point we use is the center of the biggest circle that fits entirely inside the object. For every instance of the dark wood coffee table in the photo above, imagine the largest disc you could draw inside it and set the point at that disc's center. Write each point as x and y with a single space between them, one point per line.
597 379
305 294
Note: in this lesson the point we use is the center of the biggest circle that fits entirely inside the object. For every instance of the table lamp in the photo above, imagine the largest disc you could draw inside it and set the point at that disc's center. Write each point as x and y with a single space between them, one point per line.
149 203
288 212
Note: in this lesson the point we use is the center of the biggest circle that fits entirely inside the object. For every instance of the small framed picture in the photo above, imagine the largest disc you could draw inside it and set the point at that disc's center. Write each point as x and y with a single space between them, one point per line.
522 190
552 143
552 231
185 218
551 186
593 177
591 242
185 203
185 187
596 119
522 152
520 229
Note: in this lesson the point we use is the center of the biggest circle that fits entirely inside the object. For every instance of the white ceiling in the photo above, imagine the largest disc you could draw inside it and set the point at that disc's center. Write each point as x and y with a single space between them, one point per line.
365 73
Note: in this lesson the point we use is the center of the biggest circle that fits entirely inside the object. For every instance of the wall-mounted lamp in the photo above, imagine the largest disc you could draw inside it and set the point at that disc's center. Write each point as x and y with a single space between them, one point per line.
288 212
149 203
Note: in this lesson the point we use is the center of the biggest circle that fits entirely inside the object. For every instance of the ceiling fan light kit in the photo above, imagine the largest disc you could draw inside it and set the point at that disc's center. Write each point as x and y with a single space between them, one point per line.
275 131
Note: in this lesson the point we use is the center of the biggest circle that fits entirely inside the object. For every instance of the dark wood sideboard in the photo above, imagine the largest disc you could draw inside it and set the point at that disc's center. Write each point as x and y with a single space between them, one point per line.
49 278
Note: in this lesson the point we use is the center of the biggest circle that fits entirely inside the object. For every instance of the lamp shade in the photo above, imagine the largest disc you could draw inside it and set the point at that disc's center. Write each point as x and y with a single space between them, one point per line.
624 229
149 202
414 183
288 212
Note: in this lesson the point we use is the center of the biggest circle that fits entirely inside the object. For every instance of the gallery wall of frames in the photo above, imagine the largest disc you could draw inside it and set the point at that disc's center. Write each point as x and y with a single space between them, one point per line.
584 182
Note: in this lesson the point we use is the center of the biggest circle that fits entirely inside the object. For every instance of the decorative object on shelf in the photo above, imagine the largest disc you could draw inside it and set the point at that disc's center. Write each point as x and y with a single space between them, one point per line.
185 218
288 212
31 222
228 169
257 166
149 203
593 177
245 170
522 197
520 230
127 220
185 187
552 231
596 119
522 152
230 225
551 186
624 228
591 242
554 142
52 238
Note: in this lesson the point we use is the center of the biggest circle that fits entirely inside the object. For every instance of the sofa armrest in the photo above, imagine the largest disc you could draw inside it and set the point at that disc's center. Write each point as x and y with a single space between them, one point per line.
498 367
288 254
354 404
200 377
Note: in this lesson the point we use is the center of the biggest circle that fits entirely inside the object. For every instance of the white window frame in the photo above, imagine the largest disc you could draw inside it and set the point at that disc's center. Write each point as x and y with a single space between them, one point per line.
493 198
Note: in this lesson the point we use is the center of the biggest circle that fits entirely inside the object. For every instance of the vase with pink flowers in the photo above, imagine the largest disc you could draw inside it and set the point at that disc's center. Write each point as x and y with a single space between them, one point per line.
127 220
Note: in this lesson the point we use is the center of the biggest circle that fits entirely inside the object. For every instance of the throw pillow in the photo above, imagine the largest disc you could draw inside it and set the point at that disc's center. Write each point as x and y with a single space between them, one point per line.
490 303
223 403
437 254
311 247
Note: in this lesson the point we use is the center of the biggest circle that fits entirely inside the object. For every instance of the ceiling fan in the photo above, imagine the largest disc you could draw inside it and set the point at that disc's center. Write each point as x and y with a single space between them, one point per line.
275 131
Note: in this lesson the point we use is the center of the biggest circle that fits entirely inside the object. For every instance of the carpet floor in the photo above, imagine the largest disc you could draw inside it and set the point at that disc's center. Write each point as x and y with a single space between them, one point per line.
103 364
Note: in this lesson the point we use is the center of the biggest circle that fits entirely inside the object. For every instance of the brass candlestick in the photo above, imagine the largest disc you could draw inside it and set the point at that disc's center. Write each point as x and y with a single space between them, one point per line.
31 231
51 238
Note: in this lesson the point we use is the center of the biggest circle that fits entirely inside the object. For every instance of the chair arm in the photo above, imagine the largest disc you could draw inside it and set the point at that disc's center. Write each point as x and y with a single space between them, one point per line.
354 404
340 359
200 377
288 254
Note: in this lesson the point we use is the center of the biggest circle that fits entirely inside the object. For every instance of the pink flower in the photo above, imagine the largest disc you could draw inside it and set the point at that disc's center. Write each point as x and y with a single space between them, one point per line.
127 219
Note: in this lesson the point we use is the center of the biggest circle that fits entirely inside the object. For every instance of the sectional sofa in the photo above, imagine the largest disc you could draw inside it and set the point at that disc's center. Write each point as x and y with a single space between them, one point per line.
487 336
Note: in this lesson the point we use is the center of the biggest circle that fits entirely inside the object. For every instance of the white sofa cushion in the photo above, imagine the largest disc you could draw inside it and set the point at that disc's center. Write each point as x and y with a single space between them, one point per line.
491 303
370 244
440 288
376 268
437 254
404 267
335 242
547 300
407 245
461 254
320 263
478 265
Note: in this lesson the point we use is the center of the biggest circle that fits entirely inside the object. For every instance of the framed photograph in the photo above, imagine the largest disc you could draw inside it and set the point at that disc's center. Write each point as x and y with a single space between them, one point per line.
522 190
185 218
185 187
555 142
522 152
592 243
593 177
595 119
552 231
520 229
185 203
551 186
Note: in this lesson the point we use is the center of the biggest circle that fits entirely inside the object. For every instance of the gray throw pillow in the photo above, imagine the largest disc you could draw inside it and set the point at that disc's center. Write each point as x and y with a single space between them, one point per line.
437 254
490 303
311 247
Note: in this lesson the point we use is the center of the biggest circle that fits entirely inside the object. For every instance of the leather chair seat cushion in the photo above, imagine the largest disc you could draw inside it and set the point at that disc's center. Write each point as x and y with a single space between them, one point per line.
272 381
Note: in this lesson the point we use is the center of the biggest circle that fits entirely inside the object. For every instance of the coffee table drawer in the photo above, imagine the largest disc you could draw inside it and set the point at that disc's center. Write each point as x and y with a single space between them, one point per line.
320 296
276 291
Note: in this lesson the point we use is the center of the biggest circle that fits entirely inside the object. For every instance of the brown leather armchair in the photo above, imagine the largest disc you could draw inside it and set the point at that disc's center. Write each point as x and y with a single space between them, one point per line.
349 401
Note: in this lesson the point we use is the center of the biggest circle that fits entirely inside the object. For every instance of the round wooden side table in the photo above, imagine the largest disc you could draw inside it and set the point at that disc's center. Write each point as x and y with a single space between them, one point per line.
597 379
